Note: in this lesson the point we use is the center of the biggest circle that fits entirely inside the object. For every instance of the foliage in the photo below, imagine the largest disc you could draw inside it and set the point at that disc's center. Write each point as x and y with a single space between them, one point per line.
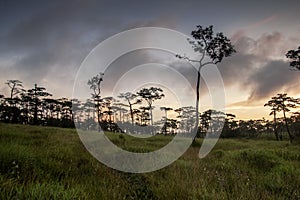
95 86
131 100
294 56
282 102
216 46
150 95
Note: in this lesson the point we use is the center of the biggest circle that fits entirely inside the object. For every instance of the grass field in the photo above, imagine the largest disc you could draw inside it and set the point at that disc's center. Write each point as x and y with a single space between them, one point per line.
52 163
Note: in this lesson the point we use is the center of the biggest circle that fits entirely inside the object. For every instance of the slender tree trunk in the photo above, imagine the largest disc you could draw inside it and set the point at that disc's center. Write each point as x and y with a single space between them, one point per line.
12 92
151 115
275 127
98 116
131 116
287 127
197 104
35 113
110 122
27 114
35 116
131 113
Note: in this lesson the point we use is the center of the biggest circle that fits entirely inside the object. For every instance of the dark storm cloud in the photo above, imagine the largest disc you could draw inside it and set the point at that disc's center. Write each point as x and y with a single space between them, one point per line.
271 79
259 67
54 37
237 68
55 40
45 41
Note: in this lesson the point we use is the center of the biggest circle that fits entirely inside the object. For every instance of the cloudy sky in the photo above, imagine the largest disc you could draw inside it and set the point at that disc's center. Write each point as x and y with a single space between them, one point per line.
45 42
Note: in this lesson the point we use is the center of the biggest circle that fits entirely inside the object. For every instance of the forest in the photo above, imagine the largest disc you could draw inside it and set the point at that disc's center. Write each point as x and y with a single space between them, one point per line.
36 107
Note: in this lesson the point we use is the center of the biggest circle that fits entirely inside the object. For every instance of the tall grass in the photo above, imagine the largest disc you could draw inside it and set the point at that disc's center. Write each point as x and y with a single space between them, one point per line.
51 163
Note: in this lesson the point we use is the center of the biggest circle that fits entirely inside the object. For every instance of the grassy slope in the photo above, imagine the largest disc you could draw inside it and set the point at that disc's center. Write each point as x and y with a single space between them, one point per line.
51 163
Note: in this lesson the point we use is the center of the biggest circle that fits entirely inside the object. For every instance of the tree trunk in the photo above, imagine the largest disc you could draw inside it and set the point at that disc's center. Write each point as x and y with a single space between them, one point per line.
275 127
197 103
131 112
287 127
151 115
131 116
35 114
98 116
110 122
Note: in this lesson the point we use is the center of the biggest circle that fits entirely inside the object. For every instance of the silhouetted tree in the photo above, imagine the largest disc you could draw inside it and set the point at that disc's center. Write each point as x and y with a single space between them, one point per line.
36 94
169 126
205 121
66 112
16 87
294 56
131 100
107 105
137 114
217 119
118 110
295 118
13 111
50 105
187 117
166 109
230 126
95 86
275 107
150 95
89 114
247 128
143 115
76 107
216 47
26 103
1 107
283 103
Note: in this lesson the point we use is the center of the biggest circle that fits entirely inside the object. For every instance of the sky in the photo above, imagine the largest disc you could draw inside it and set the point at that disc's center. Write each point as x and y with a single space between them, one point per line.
45 42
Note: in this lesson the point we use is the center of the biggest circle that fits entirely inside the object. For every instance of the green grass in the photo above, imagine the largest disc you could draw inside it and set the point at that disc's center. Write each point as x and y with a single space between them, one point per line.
52 163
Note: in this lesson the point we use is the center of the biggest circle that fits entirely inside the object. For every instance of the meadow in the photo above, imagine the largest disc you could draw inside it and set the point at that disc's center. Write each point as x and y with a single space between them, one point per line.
51 163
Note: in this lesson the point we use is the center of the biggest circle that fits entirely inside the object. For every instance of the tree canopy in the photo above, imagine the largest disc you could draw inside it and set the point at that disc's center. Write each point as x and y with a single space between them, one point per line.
294 57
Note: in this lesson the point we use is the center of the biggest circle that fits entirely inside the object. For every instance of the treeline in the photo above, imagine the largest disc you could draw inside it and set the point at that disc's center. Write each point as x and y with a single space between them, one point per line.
34 106
130 113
